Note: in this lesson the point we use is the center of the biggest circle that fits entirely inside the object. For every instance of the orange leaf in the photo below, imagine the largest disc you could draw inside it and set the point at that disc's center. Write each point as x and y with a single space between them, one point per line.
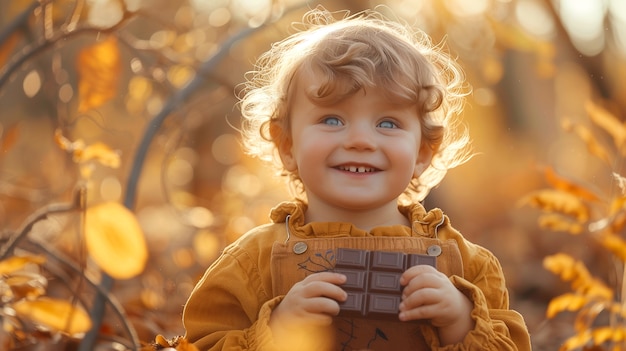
577 341
8 137
99 71
575 272
161 341
604 334
614 244
178 343
608 122
59 315
184 345
16 263
549 200
559 223
567 185
99 152
563 265
67 145
115 240
566 302
26 285
82 153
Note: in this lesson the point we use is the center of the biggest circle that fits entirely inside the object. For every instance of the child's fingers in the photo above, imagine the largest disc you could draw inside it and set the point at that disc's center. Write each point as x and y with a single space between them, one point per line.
420 277
329 277
419 298
422 311
326 284
415 271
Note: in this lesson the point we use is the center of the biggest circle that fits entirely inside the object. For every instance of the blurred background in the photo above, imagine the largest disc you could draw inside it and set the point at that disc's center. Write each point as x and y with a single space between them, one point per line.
156 82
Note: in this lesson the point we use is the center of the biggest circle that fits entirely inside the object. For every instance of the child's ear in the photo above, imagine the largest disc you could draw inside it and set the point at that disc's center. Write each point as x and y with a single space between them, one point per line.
282 140
424 157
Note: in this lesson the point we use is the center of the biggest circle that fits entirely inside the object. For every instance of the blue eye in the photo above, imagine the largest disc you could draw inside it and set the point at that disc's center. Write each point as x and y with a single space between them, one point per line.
332 121
387 124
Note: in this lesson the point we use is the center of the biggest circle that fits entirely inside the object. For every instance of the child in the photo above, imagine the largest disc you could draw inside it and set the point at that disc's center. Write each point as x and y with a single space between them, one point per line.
359 113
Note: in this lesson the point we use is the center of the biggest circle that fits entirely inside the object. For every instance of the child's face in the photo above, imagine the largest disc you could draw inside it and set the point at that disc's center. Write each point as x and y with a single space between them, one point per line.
358 154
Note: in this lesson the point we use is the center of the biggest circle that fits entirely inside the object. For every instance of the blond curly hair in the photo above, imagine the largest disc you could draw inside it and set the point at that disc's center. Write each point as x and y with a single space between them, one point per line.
353 52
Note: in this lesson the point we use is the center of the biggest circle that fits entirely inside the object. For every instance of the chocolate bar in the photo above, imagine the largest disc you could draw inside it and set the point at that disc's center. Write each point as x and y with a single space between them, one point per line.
373 281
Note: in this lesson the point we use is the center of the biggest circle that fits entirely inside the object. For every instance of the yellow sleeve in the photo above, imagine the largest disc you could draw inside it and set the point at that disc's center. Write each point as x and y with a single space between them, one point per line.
230 306
498 328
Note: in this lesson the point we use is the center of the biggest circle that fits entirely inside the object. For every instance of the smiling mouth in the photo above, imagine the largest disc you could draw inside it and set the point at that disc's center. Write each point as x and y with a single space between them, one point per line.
357 169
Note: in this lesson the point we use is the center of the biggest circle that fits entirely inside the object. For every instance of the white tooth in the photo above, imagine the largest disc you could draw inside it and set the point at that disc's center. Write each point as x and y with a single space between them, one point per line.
361 169
352 169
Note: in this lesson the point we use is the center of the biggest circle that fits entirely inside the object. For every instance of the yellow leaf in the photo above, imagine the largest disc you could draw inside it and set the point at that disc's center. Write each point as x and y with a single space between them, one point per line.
614 244
15 263
599 290
67 145
184 345
99 152
161 341
575 272
607 121
558 262
594 147
81 153
566 302
99 71
617 205
559 223
26 285
603 334
561 183
177 343
577 341
58 315
115 240
549 200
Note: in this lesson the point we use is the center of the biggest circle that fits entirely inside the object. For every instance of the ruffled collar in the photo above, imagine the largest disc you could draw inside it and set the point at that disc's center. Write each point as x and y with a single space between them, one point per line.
424 223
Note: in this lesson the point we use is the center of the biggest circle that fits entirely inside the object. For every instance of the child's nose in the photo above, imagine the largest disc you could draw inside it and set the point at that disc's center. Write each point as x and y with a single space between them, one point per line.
360 136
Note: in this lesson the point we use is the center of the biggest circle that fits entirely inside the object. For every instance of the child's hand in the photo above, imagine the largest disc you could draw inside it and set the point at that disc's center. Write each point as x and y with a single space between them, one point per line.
429 294
314 300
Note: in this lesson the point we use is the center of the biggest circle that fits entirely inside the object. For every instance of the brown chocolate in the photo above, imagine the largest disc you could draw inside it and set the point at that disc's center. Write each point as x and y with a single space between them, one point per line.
373 281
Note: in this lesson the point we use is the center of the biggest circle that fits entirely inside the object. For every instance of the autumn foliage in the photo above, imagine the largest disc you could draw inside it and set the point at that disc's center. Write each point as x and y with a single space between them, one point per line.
121 175
579 210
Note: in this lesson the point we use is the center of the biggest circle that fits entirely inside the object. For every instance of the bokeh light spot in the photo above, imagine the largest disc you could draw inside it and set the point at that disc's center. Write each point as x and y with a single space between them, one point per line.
200 217
226 149
32 83
465 8
110 189
207 246
66 92
534 18
219 17
179 172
